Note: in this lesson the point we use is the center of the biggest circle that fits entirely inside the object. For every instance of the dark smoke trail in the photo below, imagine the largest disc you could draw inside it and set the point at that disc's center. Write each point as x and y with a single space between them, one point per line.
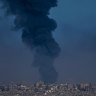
32 18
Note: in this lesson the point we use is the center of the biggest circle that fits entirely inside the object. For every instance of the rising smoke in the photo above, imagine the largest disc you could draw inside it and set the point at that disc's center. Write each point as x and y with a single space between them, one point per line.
32 17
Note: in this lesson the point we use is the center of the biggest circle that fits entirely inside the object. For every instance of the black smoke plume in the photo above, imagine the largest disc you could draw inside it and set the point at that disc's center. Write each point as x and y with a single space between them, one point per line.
32 17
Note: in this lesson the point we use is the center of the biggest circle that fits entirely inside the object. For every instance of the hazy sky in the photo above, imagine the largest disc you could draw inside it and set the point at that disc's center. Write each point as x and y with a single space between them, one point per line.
76 35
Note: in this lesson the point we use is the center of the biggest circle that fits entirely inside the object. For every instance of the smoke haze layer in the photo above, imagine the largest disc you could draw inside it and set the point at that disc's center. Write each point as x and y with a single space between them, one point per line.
32 17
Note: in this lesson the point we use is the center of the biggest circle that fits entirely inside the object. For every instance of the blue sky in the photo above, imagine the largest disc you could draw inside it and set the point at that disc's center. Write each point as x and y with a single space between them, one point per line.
76 34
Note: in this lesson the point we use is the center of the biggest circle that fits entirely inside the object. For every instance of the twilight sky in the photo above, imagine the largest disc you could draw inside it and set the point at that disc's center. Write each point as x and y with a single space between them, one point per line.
76 35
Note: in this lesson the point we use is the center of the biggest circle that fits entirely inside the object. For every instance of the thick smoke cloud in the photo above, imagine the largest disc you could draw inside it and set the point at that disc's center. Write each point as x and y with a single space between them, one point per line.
32 17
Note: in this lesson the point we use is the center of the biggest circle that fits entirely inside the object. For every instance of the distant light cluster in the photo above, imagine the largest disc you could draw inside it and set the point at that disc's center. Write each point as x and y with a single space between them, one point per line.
42 89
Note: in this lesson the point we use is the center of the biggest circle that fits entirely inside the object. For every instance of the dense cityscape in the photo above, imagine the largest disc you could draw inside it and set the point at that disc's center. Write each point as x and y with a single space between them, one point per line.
42 89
